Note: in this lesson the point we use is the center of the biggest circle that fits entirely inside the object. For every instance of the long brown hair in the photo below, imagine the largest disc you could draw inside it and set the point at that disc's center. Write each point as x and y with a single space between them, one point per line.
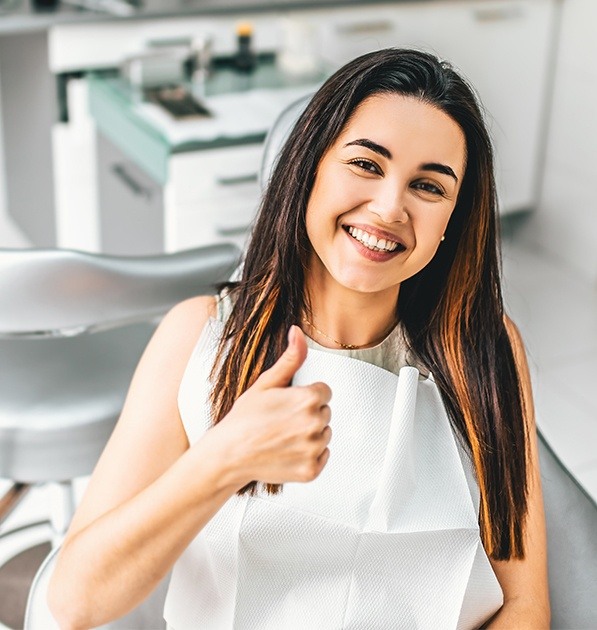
451 311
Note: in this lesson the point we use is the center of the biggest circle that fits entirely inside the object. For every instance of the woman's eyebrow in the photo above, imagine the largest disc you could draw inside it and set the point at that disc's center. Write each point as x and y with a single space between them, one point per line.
439 168
373 146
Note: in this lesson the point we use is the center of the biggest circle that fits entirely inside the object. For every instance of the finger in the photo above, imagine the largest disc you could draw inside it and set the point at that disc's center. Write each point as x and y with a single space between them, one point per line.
326 435
322 460
282 371
315 426
326 414
322 391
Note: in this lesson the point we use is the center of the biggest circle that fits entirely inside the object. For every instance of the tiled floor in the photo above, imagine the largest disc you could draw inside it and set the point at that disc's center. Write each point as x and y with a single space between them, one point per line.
556 312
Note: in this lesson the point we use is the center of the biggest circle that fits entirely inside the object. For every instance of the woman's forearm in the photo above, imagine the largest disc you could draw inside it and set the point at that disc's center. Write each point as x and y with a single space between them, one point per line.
516 614
110 566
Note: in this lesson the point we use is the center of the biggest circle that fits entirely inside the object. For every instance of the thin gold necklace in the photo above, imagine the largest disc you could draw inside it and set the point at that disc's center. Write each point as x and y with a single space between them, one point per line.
348 346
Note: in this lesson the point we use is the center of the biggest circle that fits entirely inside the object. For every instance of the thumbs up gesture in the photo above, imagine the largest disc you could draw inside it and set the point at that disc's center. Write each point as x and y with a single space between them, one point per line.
276 432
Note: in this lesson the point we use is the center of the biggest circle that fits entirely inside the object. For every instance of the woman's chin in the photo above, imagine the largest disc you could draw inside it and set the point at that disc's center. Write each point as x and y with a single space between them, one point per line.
360 283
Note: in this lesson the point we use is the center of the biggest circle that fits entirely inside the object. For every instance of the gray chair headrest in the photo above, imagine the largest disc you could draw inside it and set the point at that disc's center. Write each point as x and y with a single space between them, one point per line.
277 136
58 292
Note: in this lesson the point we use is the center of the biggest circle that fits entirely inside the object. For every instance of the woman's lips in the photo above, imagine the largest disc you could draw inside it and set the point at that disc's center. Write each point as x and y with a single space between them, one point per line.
375 255
375 239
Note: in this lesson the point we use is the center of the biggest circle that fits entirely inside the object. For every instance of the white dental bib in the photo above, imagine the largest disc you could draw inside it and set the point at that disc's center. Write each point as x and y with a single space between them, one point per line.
386 537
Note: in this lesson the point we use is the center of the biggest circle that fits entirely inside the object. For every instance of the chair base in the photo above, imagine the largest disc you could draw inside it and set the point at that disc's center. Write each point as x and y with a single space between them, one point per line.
22 550
11 499
16 577
24 547
61 512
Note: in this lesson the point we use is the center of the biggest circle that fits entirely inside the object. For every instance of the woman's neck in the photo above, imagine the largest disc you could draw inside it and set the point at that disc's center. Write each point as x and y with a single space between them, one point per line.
341 317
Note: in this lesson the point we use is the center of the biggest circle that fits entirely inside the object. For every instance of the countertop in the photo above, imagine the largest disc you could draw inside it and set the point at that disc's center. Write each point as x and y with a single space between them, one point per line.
20 15
148 136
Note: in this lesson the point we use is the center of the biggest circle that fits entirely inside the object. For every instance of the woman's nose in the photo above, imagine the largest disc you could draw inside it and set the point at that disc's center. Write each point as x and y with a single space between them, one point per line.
389 203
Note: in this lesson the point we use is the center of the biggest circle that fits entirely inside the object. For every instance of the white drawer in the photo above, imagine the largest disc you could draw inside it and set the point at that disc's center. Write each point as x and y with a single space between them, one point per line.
226 173
209 221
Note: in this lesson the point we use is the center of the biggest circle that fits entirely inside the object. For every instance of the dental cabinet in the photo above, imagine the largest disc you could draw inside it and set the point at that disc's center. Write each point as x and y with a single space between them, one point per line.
129 181
135 182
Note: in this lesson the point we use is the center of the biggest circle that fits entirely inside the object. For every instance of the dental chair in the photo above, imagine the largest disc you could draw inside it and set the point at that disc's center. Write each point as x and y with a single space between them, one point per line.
72 329
571 519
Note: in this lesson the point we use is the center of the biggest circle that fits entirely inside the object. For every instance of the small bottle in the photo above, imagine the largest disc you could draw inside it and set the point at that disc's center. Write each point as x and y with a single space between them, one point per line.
244 59
200 63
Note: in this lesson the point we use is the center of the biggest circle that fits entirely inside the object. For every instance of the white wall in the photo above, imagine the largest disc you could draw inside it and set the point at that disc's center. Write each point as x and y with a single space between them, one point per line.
566 221
10 235
2 169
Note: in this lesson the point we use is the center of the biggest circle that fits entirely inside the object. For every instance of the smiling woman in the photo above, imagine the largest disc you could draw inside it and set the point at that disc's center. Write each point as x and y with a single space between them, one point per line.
370 302
384 192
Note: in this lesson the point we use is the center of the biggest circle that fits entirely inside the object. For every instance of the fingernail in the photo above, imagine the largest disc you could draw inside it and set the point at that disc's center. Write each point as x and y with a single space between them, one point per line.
291 335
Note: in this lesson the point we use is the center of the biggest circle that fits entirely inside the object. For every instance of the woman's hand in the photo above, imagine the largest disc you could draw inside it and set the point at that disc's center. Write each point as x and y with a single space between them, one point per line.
275 432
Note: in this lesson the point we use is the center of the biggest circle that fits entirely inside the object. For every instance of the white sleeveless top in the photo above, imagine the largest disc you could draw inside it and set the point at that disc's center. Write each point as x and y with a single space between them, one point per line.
386 537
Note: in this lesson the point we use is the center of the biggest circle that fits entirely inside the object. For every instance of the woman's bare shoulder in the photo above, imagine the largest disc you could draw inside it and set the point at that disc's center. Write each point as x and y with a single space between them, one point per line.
169 349
193 312
181 326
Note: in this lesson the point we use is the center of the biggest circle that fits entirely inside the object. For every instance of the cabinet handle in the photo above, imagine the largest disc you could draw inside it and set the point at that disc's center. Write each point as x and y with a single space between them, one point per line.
130 182
365 28
235 180
498 14
235 230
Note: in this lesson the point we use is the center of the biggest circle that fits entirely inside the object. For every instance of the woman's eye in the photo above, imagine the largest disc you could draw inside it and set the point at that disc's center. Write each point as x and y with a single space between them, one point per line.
366 165
428 187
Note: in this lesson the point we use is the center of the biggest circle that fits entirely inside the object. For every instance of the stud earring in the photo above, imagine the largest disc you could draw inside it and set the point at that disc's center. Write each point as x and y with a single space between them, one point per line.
443 238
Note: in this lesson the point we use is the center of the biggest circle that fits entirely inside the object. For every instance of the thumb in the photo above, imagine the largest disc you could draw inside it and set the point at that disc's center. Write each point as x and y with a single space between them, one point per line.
282 371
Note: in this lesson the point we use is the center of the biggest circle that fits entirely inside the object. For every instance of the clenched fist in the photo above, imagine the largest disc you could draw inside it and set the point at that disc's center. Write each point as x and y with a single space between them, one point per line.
276 432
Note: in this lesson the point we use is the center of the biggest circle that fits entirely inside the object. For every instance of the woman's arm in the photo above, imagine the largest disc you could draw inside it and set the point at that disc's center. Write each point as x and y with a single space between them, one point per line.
150 494
524 582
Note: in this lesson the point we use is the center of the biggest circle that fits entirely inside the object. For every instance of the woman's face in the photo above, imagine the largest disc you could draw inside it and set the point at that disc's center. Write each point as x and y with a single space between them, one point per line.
384 193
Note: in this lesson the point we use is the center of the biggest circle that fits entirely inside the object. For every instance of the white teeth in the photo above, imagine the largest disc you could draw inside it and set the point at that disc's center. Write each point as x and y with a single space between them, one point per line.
370 241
